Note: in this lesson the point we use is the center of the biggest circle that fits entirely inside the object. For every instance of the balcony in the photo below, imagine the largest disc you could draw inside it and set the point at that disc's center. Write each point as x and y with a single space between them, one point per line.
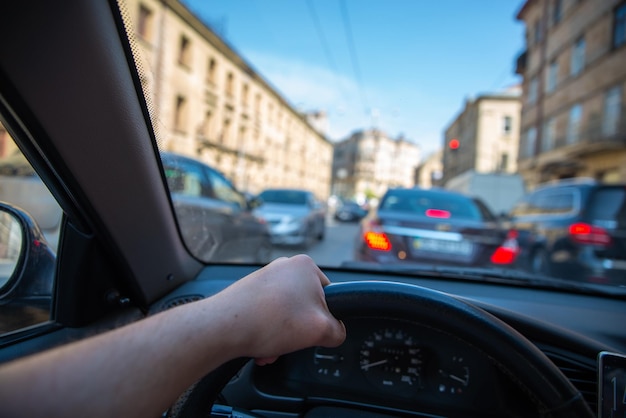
520 63
565 155
203 142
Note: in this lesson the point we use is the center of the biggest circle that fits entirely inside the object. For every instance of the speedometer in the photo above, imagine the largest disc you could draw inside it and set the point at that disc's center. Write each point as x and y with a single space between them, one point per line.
392 359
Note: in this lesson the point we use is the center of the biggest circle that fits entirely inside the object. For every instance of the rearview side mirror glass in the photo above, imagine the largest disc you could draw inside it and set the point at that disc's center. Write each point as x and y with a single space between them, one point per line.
11 243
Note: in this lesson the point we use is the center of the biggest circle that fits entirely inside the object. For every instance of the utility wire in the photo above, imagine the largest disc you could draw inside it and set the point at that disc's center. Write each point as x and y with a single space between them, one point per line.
353 55
320 35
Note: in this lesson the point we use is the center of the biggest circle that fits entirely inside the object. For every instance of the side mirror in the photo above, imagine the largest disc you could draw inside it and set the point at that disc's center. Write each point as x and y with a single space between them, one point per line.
253 202
11 243
27 267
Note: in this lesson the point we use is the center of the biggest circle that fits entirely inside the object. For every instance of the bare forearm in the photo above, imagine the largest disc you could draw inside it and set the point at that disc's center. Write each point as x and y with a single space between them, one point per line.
139 370
134 371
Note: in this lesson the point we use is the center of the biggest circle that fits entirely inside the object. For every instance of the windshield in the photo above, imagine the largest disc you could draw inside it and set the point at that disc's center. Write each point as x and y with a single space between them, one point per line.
378 134
289 197
418 203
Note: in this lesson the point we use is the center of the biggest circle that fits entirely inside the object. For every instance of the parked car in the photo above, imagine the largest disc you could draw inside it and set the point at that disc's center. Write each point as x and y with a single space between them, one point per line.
215 219
295 216
432 227
350 212
573 229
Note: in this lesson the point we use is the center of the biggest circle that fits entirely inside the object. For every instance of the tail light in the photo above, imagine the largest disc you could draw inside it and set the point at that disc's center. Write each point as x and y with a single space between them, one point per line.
375 238
583 233
508 251
438 213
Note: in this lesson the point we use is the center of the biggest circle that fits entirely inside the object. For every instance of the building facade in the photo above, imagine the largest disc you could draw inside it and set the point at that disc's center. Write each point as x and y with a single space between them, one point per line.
206 101
369 162
430 172
574 70
484 137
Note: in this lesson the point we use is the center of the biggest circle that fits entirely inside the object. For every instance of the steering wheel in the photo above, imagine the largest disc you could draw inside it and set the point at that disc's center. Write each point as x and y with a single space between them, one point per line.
552 393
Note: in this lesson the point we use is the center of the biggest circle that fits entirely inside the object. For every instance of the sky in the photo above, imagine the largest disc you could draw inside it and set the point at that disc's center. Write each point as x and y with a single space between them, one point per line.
403 66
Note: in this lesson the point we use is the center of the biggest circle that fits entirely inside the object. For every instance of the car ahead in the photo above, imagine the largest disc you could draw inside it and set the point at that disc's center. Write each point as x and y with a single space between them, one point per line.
413 225
350 212
465 342
295 216
573 229
216 220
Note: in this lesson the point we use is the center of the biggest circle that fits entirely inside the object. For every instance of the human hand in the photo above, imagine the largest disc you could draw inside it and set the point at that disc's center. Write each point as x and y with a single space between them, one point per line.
281 308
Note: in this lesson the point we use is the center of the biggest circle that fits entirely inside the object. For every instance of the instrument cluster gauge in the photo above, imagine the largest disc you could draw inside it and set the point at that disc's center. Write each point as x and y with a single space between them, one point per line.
329 364
392 359
453 375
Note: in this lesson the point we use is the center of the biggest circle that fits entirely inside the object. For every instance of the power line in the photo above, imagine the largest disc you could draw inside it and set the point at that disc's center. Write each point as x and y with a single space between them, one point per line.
353 55
320 35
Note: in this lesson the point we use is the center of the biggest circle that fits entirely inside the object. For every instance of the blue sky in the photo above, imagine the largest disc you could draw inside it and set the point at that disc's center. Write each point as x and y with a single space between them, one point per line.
416 61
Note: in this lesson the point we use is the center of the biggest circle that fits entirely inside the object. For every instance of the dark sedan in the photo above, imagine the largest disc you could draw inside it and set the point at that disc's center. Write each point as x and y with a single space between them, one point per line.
432 227
350 212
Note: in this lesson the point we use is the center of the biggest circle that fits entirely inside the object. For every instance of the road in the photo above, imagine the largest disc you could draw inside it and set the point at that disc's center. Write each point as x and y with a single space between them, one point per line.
336 247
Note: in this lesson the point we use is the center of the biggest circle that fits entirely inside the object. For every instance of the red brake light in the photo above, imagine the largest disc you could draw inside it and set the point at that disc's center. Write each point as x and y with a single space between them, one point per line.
437 213
583 233
375 238
377 241
508 251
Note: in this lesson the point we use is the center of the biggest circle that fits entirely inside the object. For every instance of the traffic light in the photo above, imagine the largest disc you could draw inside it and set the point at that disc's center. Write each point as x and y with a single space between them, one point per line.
454 144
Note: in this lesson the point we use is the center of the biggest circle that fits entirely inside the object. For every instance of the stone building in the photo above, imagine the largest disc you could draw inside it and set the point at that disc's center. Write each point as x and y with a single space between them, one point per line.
369 162
206 101
484 137
574 69
430 172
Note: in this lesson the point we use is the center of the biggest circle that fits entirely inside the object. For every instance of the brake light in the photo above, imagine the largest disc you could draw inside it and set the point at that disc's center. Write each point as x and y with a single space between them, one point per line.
437 213
508 251
583 233
377 241
375 238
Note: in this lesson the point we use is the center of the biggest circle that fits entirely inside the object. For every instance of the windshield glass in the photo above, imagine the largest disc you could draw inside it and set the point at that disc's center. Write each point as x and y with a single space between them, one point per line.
475 136
289 197
431 205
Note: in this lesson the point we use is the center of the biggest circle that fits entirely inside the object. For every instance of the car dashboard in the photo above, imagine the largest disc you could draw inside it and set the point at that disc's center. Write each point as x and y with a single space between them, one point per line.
391 367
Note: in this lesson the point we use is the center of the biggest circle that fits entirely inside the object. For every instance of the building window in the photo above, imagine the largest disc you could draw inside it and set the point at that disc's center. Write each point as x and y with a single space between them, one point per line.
180 114
537 33
270 114
230 81
578 57
206 124
532 90
612 110
507 125
573 128
557 10
549 134
257 104
619 26
531 141
184 51
504 162
211 70
225 136
553 76
245 91
145 23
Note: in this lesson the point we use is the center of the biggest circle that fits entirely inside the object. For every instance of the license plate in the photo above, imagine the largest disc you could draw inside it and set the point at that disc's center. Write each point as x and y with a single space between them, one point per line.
442 246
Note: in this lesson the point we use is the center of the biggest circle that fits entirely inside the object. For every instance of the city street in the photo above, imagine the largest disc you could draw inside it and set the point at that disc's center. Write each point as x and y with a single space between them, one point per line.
336 247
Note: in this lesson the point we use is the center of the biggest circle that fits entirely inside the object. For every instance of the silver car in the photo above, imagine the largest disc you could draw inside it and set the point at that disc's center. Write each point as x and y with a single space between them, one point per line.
295 216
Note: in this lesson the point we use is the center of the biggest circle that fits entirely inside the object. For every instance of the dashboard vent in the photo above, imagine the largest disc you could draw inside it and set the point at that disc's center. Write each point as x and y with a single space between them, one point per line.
582 376
182 300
